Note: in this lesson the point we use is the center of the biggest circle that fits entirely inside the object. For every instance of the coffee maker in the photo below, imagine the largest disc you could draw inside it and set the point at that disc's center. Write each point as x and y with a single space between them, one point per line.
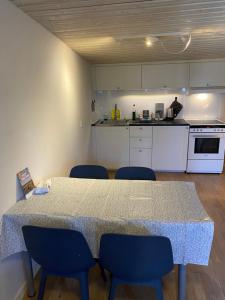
159 111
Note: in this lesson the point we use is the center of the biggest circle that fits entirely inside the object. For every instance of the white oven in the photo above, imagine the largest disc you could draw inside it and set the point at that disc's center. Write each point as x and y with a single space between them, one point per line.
206 150
206 145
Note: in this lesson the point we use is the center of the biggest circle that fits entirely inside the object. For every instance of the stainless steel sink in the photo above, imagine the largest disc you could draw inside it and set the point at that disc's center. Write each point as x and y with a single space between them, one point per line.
113 123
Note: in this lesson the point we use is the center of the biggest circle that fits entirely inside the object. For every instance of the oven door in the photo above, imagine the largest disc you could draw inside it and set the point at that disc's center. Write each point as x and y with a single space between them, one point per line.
206 146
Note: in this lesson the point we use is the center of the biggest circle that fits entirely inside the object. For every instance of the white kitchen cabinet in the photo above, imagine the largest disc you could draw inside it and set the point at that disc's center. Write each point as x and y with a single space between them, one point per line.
207 74
173 76
140 157
127 77
140 142
141 146
170 144
141 131
112 146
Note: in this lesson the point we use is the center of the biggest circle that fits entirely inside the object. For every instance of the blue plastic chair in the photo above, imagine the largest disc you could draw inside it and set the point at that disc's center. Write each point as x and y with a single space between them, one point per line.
138 260
89 171
59 252
135 173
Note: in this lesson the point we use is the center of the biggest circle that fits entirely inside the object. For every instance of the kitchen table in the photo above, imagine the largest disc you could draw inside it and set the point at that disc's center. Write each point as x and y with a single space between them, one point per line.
94 207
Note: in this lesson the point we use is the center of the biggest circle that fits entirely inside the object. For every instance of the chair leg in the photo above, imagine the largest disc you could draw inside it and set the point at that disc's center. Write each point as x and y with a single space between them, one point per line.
112 291
104 277
84 286
42 285
159 291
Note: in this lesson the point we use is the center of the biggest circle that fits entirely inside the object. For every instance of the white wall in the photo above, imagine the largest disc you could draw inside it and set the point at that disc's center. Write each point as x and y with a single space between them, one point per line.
44 94
222 113
202 106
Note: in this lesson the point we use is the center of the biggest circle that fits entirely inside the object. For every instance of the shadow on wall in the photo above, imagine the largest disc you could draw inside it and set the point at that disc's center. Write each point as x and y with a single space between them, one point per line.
19 191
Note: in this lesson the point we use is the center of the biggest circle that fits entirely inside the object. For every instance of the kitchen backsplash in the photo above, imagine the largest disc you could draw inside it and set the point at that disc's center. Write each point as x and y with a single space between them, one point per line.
195 106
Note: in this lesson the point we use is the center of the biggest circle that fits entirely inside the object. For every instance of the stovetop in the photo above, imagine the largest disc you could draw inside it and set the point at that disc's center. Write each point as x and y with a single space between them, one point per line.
205 123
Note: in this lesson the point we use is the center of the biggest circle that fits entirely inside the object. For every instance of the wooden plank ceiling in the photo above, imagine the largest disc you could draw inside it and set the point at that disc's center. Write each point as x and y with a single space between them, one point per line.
94 28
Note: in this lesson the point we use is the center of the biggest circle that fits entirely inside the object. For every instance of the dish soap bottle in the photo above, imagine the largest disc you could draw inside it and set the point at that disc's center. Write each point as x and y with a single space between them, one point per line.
115 113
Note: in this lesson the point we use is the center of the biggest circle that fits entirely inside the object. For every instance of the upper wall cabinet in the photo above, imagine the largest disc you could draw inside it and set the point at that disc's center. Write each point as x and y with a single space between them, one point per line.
127 77
207 74
173 76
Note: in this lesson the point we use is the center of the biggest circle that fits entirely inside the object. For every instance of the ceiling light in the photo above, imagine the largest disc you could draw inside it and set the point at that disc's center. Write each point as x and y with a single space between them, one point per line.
148 42
164 39
186 40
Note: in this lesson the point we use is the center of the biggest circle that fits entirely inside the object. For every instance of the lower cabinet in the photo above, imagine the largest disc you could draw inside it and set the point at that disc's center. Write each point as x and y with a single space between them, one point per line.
170 145
141 146
112 146
162 148
140 157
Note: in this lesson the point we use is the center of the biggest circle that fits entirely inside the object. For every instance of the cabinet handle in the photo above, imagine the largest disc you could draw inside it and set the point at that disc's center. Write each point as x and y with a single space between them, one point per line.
140 150
140 128
140 140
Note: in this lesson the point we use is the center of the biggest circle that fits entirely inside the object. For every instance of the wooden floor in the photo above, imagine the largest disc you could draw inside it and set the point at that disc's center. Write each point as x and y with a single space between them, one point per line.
202 282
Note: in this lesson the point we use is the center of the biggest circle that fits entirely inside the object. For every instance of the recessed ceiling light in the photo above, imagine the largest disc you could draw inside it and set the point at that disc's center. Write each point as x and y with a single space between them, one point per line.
148 42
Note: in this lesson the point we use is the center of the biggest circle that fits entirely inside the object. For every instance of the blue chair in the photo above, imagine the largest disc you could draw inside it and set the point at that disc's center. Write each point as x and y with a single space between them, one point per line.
135 173
59 252
138 260
89 171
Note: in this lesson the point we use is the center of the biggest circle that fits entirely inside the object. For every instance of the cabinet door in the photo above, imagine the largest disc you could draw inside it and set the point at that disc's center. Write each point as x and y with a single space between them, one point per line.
207 74
172 76
170 145
118 77
112 146
140 157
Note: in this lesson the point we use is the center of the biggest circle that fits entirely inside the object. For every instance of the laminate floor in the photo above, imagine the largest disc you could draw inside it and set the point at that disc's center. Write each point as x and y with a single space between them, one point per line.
203 283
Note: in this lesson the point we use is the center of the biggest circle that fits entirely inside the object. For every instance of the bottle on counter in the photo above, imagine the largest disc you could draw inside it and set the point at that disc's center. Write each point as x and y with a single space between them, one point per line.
115 113
134 113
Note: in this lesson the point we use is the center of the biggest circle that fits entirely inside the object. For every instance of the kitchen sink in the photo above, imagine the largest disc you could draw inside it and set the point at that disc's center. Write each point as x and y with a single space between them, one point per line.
113 123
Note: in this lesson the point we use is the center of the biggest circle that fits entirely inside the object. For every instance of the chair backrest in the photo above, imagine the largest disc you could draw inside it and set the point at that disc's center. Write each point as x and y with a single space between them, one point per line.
135 173
136 258
89 171
58 250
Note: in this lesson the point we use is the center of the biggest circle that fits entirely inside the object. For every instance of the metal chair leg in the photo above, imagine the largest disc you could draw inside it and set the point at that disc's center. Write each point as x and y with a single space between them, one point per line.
159 291
42 285
84 286
104 277
112 291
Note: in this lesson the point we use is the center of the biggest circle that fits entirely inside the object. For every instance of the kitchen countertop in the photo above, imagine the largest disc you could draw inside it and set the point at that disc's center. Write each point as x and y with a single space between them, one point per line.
109 123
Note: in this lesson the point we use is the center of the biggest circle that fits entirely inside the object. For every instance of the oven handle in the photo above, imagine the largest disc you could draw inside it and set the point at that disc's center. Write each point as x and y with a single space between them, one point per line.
208 136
